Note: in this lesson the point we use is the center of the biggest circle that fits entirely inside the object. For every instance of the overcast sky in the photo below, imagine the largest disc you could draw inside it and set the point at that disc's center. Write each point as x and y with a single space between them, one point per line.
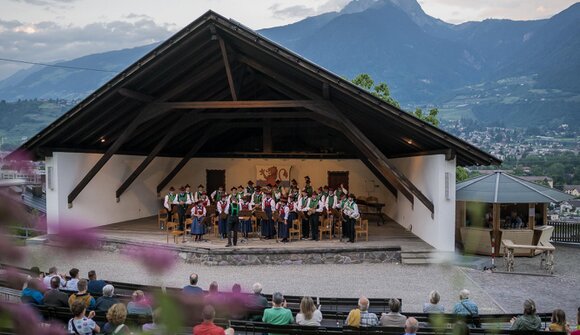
50 30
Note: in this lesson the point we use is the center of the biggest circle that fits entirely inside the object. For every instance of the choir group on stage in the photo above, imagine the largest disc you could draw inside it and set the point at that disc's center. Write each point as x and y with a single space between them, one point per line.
274 206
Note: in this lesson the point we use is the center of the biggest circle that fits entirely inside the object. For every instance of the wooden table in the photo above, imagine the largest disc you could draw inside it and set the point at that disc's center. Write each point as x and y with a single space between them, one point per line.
546 249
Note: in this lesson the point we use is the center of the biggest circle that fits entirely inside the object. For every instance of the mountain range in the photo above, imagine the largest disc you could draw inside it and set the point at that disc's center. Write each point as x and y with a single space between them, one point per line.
520 73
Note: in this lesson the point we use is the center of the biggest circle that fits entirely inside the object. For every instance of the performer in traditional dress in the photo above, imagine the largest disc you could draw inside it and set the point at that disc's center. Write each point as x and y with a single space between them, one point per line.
307 186
250 188
189 194
181 206
241 193
168 202
257 197
315 207
351 212
198 193
233 225
277 190
303 207
217 194
341 205
294 190
233 194
340 191
198 213
204 199
222 217
291 215
330 204
246 205
283 228
268 206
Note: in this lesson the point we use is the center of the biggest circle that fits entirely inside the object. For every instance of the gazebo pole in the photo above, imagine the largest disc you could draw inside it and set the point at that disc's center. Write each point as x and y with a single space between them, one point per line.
495 230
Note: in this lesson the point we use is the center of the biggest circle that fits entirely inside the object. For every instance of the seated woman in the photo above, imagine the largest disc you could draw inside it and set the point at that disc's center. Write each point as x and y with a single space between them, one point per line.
558 322
433 305
116 316
529 321
309 315
139 305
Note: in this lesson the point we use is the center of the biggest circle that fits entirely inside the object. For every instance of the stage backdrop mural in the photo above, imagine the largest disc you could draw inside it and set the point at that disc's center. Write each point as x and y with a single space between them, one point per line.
268 174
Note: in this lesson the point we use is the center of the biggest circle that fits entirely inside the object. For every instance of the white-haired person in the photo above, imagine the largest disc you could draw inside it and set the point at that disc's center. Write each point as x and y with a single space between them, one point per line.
465 306
361 317
256 303
433 305
394 318
411 326
107 300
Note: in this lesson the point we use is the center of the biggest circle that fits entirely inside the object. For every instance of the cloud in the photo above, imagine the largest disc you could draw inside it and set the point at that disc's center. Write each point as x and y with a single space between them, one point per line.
50 41
302 11
44 2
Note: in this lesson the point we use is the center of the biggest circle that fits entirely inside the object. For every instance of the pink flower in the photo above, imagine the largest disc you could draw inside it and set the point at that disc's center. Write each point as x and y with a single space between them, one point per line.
71 237
24 318
155 260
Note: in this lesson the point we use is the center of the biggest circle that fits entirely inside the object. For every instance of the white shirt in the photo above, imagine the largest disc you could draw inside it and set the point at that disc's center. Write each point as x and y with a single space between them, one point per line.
314 321
167 204
320 207
71 285
327 201
47 279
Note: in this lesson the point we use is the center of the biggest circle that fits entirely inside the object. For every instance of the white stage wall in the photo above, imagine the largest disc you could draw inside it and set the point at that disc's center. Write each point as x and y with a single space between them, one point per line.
96 205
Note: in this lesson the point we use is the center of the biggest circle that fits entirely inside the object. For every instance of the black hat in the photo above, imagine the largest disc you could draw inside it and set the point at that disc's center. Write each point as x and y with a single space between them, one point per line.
233 189
250 182
187 185
200 185
171 189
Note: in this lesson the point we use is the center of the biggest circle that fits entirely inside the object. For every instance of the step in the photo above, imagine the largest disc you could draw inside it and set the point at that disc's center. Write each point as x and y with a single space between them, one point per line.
416 261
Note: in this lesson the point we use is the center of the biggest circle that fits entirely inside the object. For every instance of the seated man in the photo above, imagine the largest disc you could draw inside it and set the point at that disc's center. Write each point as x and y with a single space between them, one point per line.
207 327
81 324
256 303
107 300
465 306
95 285
82 295
54 297
411 326
361 317
278 314
71 284
192 288
393 318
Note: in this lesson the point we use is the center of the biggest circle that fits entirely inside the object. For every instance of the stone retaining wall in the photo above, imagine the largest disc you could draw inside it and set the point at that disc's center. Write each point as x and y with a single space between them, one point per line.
268 256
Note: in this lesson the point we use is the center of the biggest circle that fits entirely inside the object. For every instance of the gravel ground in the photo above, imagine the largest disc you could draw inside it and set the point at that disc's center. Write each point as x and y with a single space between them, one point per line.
493 292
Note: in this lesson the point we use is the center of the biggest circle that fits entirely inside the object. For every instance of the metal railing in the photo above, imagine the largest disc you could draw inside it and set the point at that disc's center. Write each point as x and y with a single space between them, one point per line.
565 231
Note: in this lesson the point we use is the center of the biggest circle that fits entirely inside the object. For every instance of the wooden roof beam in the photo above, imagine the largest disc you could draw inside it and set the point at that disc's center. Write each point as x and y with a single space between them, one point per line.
254 104
184 122
226 61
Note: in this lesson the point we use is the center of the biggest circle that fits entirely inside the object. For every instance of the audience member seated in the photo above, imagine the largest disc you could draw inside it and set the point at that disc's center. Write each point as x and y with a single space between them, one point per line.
411 326
214 297
192 288
207 327
33 293
529 321
558 322
82 295
95 285
394 318
460 328
71 284
107 299
80 324
309 315
54 297
154 327
52 272
139 304
256 303
577 331
116 316
433 305
236 303
465 306
361 317
278 314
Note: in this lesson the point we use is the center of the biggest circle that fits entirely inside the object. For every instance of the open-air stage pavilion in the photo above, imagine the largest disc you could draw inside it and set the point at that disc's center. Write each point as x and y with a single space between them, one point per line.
217 96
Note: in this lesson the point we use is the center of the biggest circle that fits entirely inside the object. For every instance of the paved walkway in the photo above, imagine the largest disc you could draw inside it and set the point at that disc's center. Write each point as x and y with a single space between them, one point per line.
493 292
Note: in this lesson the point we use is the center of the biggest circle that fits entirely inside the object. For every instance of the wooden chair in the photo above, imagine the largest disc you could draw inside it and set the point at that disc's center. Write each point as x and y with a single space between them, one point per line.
325 227
362 229
215 225
295 231
187 227
162 218
173 231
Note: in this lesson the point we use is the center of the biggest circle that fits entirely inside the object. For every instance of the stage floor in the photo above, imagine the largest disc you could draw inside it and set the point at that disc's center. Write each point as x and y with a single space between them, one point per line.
388 235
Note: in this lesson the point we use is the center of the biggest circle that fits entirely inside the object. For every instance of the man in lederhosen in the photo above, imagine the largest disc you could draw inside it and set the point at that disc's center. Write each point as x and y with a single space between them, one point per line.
233 210
315 207
168 202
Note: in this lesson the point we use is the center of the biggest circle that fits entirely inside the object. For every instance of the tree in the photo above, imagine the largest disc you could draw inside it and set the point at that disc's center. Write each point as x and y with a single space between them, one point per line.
380 91
431 117
461 174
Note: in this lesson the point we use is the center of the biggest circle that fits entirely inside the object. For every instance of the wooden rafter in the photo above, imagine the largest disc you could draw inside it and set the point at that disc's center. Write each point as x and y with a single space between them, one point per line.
238 104
224 52
184 122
